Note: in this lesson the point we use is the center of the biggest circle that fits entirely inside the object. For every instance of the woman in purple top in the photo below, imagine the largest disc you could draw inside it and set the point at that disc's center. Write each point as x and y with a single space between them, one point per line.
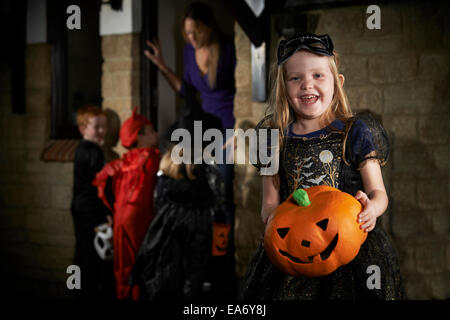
209 64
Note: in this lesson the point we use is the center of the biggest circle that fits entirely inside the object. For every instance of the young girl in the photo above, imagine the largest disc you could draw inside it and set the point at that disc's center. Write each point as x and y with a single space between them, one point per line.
322 143
175 258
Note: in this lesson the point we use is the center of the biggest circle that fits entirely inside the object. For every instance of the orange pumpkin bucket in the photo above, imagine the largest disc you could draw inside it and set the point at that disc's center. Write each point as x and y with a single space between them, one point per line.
314 232
221 233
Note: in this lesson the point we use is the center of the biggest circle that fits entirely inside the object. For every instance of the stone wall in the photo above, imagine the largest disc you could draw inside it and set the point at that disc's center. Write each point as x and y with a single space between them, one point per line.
120 82
37 238
401 73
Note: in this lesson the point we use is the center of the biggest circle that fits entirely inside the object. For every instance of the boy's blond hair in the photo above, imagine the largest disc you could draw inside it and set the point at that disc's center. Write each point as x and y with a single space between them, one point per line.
86 112
282 113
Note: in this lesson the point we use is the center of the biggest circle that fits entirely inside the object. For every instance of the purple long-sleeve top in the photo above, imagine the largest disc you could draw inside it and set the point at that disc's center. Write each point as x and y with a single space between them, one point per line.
219 100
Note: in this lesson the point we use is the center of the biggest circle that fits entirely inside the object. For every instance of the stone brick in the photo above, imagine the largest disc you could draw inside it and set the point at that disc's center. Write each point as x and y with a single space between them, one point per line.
408 98
14 196
404 192
414 160
38 101
38 66
441 158
402 129
345 23
392 68
438 219
128 45
377 46
61 197
365 98
243 103
439 286
434 129
416 286
354 69
407 223
430 258
434 66
432 193
109 47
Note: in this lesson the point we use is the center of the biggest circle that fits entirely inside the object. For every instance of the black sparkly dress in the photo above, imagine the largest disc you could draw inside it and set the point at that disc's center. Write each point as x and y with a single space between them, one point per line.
331 157
175 257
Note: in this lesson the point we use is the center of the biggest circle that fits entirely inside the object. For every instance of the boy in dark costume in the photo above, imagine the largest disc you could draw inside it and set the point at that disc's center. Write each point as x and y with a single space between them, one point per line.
87 209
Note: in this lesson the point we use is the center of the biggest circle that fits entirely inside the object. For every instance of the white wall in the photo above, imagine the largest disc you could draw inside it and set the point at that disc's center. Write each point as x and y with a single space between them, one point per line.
127 20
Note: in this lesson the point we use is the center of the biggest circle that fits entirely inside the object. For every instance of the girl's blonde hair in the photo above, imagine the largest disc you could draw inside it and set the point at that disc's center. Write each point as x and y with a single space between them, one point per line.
283 114
173 170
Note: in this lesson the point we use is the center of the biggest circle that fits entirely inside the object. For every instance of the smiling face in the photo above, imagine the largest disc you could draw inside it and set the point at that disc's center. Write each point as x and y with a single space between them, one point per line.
316 239
95 129
309 84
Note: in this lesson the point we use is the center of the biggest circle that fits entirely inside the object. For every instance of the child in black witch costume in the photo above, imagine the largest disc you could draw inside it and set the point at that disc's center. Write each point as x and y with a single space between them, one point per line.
175 258
322 143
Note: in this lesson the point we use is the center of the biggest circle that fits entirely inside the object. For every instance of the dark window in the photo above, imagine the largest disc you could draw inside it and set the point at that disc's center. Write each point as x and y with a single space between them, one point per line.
76 64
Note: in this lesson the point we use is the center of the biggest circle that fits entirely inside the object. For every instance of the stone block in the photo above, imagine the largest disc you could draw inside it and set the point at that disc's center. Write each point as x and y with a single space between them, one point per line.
377 46
61 197
365 98
38 67
441 158
243 103
38 101
15 196
41 196
414 160
432 193
402 130
416 286
354 69
392 68
439 286
434 129
438 219
109 47
128 45
430 258
342 23
409 98
434 66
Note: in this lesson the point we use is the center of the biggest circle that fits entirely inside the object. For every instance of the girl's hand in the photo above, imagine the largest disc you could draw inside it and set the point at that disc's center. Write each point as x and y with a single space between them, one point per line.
156 57
368 216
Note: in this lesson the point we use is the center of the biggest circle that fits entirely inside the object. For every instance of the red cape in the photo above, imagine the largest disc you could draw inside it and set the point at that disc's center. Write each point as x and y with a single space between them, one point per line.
133 181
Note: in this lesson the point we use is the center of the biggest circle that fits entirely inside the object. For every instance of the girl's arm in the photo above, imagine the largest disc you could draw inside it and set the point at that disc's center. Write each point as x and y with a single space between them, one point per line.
271 196
375 199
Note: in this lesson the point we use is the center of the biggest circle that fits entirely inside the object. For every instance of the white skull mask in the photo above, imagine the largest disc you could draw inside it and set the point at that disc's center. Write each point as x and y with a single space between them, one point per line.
102 242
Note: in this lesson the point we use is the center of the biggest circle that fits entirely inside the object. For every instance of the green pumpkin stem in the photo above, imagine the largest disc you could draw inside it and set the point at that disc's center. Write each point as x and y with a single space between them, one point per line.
301 197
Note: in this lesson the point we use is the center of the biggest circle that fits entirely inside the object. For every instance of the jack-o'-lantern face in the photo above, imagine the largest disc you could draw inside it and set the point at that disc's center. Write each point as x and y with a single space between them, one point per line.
314 232
220 239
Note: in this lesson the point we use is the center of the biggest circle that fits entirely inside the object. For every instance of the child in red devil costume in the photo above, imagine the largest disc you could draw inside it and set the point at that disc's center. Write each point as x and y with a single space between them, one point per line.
132 179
